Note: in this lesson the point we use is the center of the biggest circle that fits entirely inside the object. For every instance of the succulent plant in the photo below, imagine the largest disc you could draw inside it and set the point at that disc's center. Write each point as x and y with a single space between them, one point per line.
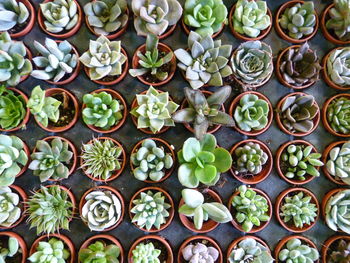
50 210
9 250
296 251
337 210
150 210
299 20
252 113
251 208
202 162
206 62
13 56
12 158
297 113
203 112
101 158
206 17
252 63
10 210
146 253
56 60
338 115
200 253
338 164
195 207
339 19
250 17
341 254
154 110
151 161
12 13
48 252
99 252
338 66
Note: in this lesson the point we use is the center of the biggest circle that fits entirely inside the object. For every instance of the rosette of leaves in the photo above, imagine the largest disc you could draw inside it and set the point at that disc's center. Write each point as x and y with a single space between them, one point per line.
155 16
296 251
10 210
336 210
14 63
150 210
338 66
338 115
338 164
48 252
206 17
206 62
12 158
252 62
339 21
12 13
49 210
146 252
195 207
154 110
100 252
252 113
201 161
102 110
341 253
200 253
251 208
250 17
10 250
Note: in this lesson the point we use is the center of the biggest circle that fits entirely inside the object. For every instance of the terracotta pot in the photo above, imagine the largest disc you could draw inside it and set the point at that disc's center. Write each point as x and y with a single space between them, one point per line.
316 120
68 244
107 239
70 195
170 256
281 32
267 167
21 242
209 225
117 173
234 104
64 35
235 242
168 199
117 96
106 188
327 246
308 178
30 57
31 20
27 151
117 79
280 201
188 29
326 198
199 239
255 229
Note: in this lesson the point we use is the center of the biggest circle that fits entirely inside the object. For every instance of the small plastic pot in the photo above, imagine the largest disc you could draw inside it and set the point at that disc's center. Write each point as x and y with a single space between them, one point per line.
21 242
235 242
281 32
104 188
144 239
168 199
30 21
117 96
65 34
208 241
280 201
327 197
27 151
316 120
328 244
117 173
188 29
234 105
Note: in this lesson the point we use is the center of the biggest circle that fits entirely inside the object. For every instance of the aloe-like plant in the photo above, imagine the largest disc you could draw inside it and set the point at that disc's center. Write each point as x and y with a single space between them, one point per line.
146 252
12 13
338 164
336 210
10 210
297 251
204 112
200 253
206 61
339 19
53 250
201 161
9 250
338 115
338 66
341 253
99 252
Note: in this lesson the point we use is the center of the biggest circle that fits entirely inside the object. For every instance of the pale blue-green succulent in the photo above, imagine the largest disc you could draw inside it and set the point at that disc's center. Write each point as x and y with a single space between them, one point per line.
338 164
296 251
12 13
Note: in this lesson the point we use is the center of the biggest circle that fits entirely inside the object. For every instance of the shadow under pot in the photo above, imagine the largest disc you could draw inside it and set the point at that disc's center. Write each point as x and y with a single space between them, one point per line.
27 26
20 256
335 248
188 29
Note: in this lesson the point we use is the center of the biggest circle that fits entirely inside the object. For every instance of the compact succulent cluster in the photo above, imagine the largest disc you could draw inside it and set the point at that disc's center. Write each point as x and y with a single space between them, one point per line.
146 252
200 253
12 14
338 115
338 164
337 209
53 250
9 249
338 21
100 252
341 254
296 251
338 66
10 207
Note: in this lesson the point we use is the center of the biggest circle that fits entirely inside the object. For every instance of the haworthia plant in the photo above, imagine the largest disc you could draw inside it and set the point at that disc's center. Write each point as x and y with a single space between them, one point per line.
12 13
338 66
337 210
338 164
200 253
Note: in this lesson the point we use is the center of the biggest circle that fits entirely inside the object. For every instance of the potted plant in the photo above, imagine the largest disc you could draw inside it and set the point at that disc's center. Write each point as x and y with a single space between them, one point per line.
158 18
212 161
104 110
103 159
251 161
60 18
250 20
296 21
13 247
54 110
152 160
255 215
210 71
106 62
153 63
336 249
147 217
199 215
102 208
151 111
298 162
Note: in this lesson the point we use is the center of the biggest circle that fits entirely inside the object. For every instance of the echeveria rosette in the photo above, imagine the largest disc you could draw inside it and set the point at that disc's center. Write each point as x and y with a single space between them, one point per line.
10 207
338 21
338 66
12 13
296 250
99 251
52 251
337 210
338 164
338 115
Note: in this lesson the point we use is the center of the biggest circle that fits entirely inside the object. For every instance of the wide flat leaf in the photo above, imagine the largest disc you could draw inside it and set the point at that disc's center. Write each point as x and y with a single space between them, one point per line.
223 160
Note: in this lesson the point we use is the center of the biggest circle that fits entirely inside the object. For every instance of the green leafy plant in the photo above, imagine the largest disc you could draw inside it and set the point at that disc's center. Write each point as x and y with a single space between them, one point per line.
338 164
336 210
12 13
339 19
10 250
206 61
341 254
202 162
296 251
52 251
338 115
200 253
99 252
10 210
146 253
338 66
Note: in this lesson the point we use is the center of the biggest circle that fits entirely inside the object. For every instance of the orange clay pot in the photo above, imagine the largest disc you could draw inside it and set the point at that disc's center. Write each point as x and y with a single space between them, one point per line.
31 20
22 243
326 247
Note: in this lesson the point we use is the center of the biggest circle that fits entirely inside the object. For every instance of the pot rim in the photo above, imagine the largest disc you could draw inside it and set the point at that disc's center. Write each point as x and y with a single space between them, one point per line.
21 241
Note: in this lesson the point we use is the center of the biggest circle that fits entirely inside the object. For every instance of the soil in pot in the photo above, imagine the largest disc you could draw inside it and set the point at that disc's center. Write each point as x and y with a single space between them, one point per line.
164 68
66 109
4 244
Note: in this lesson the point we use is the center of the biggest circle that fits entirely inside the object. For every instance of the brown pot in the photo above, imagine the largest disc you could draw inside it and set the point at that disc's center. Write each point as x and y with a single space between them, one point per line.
30 57
117 96
31 20
316 120
234 104
281 32
279 152
209 225
199 239
235 242
254 179
327 246
326 198
27 151
117 173
22 243
170 256
167 197
107 188
188 29
67 34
